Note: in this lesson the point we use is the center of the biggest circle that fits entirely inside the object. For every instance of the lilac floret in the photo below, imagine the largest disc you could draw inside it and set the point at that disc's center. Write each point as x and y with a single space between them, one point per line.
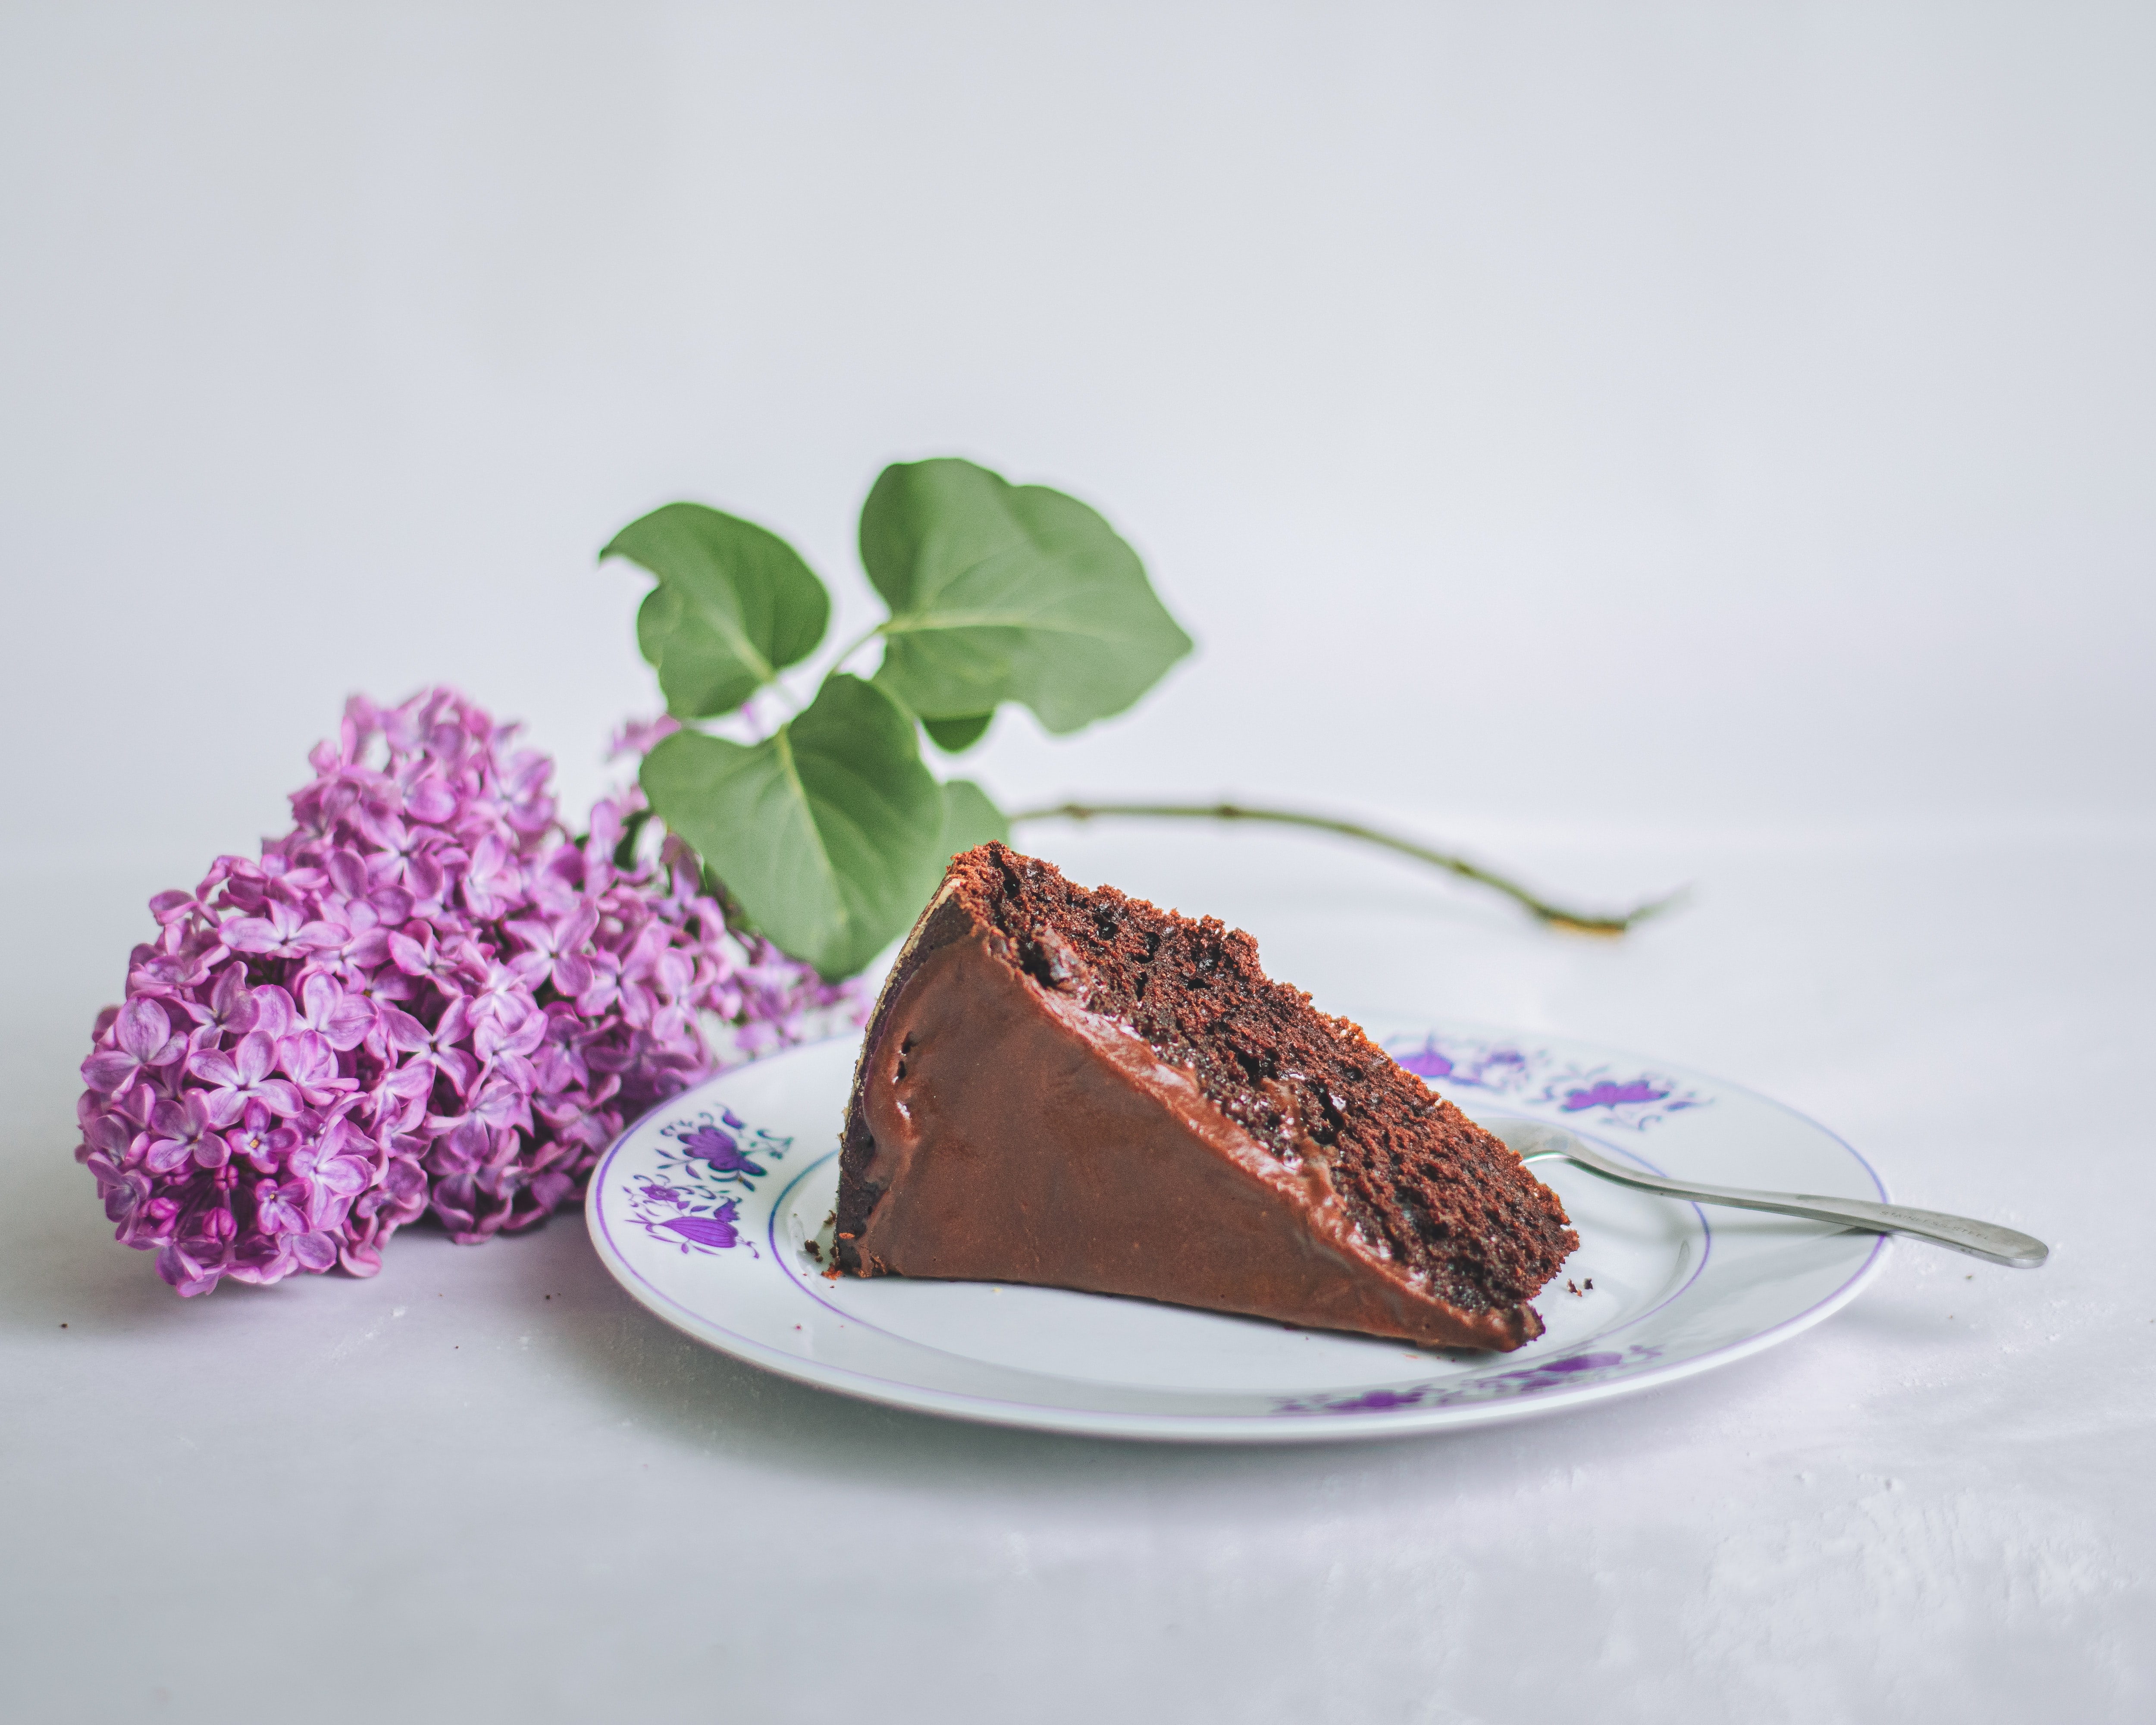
427 996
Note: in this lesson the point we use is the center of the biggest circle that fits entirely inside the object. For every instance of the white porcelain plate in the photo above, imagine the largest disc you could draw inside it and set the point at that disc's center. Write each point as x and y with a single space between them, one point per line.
705 1210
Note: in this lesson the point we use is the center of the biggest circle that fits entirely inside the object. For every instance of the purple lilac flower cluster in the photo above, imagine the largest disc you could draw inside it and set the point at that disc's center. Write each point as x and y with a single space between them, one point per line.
427 995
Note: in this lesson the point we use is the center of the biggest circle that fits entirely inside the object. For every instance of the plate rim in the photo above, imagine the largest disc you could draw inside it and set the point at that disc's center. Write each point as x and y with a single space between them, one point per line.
1242 1428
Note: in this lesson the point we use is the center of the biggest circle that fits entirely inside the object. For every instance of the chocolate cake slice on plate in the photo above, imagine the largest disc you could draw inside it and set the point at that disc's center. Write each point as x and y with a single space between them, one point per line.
1075 1089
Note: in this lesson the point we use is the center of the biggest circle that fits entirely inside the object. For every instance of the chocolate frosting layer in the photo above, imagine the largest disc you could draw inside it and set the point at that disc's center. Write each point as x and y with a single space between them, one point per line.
1000 1129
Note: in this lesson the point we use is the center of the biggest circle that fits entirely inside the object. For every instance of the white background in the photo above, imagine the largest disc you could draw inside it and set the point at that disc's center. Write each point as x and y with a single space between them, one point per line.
1644 444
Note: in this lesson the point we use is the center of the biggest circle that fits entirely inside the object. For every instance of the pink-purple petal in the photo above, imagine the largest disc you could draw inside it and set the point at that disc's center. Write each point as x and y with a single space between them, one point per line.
143 1029
215 1067
405 1032
110 1071
255 1058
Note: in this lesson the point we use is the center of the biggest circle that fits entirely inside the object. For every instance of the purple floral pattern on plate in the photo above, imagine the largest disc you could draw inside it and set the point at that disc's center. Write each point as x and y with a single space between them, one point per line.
1543 1374
706 1164
1535 1078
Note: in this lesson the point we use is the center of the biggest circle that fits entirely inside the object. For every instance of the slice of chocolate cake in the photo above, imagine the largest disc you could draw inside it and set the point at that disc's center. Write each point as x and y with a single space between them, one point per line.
1076 1090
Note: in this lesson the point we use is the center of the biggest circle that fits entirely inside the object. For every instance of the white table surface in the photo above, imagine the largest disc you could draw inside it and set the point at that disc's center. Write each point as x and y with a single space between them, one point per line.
487 1486
1643 445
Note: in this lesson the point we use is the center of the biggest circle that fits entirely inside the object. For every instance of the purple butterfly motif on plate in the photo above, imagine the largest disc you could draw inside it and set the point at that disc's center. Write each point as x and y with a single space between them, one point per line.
714 1233
692 1199
723 1145
1482 1387
1535 1078
720 1150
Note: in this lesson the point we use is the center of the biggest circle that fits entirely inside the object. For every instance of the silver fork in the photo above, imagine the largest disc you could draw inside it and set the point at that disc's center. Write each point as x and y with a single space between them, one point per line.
1538 1142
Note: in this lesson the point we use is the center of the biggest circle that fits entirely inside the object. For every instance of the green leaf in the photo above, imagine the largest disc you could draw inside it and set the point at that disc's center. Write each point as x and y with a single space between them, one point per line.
954 736
735 605
824 832
656 619
970 818
1008 592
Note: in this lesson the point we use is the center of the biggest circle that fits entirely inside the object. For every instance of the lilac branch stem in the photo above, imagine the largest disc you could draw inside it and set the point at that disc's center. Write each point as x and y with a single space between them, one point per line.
1552 915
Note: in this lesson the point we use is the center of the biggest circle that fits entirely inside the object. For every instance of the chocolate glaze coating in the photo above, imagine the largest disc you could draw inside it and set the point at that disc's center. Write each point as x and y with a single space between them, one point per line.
1078 1090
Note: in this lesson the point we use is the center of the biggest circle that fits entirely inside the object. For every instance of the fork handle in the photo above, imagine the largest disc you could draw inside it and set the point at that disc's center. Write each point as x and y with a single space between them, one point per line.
1535 1142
